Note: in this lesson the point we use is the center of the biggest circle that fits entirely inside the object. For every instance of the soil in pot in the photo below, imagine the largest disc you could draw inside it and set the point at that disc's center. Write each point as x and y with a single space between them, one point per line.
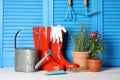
94 65
81 59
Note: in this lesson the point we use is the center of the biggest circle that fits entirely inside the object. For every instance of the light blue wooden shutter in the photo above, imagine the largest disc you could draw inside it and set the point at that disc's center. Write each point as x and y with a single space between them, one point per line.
19 14
111 30
59 12
1 21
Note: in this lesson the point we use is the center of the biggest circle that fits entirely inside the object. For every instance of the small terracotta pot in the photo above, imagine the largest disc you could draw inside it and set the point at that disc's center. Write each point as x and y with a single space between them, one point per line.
94 65
81 59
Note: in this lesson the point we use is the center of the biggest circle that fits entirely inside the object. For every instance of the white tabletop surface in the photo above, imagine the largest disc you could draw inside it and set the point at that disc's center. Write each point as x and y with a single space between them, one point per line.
104 74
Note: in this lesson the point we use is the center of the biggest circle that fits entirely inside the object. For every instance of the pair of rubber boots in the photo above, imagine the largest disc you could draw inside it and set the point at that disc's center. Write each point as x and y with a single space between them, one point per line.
56 61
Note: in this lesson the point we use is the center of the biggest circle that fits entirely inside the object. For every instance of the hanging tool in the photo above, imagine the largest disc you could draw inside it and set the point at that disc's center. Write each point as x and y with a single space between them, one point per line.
86 9
70 13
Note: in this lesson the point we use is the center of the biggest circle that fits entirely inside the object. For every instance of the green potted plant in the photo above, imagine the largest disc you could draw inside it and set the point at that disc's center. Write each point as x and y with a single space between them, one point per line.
81 46
96 47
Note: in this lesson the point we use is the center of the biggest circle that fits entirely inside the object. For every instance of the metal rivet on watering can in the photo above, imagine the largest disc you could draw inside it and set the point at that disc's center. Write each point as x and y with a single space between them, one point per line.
25 58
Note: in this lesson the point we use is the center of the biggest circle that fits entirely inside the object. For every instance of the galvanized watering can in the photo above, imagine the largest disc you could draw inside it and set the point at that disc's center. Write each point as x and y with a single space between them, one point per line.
25 58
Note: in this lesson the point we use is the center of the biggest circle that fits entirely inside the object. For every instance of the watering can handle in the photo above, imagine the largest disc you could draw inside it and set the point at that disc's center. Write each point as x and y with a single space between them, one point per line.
85 2
69 2
15 38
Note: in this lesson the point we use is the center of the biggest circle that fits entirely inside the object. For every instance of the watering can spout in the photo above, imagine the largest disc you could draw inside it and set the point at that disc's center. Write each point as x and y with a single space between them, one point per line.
50 52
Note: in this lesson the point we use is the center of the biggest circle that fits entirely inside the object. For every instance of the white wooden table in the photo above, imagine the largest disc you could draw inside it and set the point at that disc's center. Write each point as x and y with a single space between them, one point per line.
104 74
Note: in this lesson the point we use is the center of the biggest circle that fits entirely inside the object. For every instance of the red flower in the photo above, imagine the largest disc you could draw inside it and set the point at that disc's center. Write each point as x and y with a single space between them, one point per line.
93 34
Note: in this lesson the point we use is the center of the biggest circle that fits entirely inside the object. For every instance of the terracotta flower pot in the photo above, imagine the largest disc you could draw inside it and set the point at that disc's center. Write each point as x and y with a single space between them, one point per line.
94 65
81 59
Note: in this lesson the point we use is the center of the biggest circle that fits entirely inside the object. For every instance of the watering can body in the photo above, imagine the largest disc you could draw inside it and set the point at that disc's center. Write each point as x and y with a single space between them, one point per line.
25 60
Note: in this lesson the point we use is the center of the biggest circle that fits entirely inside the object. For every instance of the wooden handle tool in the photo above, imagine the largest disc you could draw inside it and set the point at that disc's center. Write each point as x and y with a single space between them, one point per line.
85 2
69 2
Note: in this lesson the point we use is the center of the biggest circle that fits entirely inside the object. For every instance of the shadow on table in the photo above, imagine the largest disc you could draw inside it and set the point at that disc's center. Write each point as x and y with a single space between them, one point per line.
105 68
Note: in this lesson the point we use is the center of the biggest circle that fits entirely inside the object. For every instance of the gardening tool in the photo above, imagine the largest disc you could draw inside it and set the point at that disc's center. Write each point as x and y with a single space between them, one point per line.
70 13
25 58
58 72
86 9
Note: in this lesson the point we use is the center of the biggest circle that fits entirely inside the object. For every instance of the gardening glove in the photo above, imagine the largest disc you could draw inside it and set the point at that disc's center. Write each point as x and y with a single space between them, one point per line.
56 33
53 34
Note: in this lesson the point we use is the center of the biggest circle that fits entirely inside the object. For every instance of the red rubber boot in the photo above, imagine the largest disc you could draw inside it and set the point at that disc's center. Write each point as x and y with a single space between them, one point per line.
49 64
58 56
36 37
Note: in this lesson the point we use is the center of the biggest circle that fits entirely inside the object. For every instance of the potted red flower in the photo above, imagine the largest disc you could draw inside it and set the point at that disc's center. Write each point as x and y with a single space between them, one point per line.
96 47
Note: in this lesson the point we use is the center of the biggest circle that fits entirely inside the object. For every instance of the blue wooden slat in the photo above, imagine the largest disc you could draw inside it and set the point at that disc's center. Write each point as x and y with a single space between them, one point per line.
15 24
114 53
1 28
45 12
17 27
28 3
111 62
22 10
95 16
50 2
23 16
112 34
20 0
114 17
22 6
8 62
23 21
9 55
